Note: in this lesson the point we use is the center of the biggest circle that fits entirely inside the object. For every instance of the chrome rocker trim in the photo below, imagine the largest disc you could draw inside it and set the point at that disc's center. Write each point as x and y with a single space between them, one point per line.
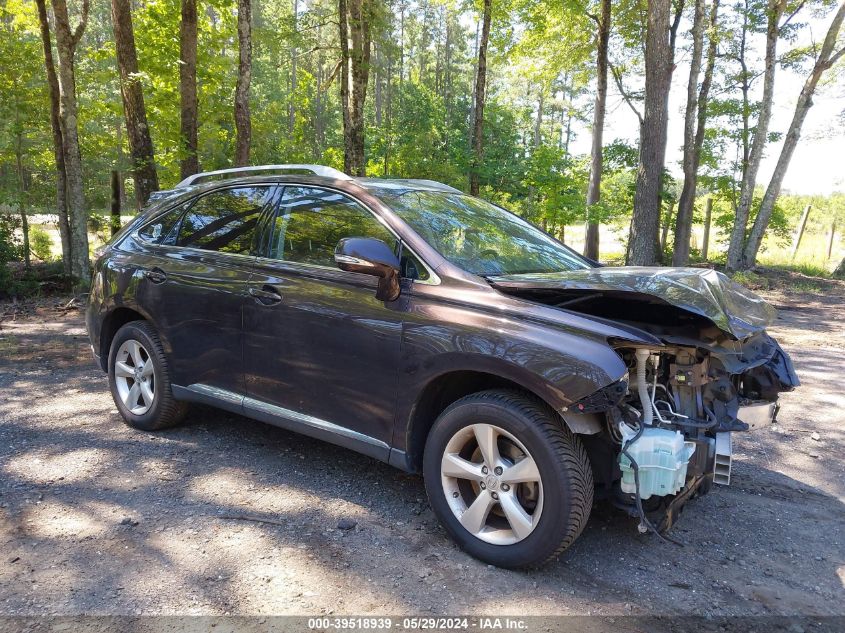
284 418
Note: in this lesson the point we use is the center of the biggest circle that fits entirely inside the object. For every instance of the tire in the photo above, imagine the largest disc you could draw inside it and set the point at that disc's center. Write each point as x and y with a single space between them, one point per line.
554 509
162 410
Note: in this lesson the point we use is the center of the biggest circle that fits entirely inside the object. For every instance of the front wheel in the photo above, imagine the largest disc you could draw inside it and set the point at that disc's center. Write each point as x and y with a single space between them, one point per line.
507 479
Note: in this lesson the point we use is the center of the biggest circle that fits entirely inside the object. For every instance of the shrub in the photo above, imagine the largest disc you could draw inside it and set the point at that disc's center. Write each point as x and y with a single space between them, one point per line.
40 243
10 250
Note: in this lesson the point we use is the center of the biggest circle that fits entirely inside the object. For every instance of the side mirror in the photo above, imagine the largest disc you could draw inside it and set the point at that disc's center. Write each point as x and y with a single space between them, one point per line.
370 256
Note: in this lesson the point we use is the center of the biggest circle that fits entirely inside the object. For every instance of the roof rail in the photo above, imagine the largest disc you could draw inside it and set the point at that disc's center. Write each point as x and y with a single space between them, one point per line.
431 183
317 170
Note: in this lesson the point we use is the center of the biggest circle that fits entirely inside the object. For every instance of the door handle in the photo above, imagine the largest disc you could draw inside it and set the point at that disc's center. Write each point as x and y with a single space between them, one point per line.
266 295
156 275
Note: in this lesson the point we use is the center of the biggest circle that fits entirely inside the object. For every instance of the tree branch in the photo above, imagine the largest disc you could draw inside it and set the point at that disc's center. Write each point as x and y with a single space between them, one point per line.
792 15
673 28
332 75
83 22
617 77
836 56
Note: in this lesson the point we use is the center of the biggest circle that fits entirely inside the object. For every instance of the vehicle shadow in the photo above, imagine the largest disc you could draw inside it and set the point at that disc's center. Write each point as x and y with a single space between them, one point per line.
234 516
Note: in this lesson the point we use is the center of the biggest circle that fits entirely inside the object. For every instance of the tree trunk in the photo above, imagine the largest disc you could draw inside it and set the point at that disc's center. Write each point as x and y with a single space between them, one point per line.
319 107
749 179
243 123
831 239
377 86
114 203
708 215
21 200
695 120
839 273
134 110
591 238
533 195
188 88
58 144
294 53
66 43
480 94
799 231
667 222
355 18
471 126
343 23
538 121
827 57
646 221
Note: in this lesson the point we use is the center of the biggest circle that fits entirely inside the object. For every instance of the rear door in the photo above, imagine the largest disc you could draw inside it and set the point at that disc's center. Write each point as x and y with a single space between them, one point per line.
319 348
195 283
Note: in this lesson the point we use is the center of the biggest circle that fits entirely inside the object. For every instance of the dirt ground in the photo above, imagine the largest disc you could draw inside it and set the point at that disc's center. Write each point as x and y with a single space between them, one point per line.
96 518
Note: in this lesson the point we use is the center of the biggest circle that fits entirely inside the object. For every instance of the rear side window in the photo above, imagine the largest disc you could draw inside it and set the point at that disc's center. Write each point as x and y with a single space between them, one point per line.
224 221
161 230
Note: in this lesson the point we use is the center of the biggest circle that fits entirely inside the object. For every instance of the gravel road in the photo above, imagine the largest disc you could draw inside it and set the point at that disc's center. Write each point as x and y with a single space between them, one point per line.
96 518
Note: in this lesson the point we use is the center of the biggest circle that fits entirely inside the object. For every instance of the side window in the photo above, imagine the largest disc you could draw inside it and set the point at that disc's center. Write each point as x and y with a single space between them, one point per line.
160 230
311 221
224 220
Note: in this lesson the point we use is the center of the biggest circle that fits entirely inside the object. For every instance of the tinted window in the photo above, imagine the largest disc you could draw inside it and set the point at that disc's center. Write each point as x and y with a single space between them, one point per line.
160 230
311 222
224 221
480 237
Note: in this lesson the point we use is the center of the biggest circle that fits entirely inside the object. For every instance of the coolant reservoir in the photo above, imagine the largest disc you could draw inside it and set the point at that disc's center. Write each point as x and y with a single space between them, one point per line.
662 457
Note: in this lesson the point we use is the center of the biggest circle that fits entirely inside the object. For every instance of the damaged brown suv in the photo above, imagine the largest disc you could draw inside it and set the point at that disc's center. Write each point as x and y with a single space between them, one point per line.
440 333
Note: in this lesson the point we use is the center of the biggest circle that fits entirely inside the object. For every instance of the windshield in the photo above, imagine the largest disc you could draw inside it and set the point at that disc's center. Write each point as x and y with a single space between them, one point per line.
480 237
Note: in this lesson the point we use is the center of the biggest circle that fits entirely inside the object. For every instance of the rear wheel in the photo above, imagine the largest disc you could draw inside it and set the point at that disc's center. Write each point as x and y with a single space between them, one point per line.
510 483
139 379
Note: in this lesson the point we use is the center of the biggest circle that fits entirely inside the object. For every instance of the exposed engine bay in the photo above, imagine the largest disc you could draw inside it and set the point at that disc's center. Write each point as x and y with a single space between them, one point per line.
662 434
674 423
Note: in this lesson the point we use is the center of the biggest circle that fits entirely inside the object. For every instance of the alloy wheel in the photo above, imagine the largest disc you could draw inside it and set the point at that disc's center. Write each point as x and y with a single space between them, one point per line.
492 484
134 377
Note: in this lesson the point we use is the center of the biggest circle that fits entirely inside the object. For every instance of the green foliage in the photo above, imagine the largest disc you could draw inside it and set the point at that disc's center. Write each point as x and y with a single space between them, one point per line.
419 107
11 250
40 243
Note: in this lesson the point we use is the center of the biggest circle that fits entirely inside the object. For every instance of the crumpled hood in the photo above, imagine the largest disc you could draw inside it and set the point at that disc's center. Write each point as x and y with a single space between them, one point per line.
703 291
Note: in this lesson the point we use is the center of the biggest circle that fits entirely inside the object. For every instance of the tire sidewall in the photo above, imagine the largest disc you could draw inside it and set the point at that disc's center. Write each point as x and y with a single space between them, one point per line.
554 520
147 421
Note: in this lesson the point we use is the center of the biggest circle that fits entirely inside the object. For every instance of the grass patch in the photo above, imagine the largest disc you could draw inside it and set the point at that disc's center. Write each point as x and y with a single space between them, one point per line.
751 280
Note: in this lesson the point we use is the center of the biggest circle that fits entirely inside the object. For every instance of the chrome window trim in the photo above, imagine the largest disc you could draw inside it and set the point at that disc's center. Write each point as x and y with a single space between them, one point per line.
433 280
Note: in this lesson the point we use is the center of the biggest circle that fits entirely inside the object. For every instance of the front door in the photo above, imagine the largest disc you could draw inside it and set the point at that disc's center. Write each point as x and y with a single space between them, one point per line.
319 348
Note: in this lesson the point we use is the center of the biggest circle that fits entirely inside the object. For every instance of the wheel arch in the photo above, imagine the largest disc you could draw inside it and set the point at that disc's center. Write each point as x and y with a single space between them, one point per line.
450 386
112 322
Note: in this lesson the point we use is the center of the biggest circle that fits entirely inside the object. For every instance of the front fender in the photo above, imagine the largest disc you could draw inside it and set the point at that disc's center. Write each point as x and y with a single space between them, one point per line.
559 365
